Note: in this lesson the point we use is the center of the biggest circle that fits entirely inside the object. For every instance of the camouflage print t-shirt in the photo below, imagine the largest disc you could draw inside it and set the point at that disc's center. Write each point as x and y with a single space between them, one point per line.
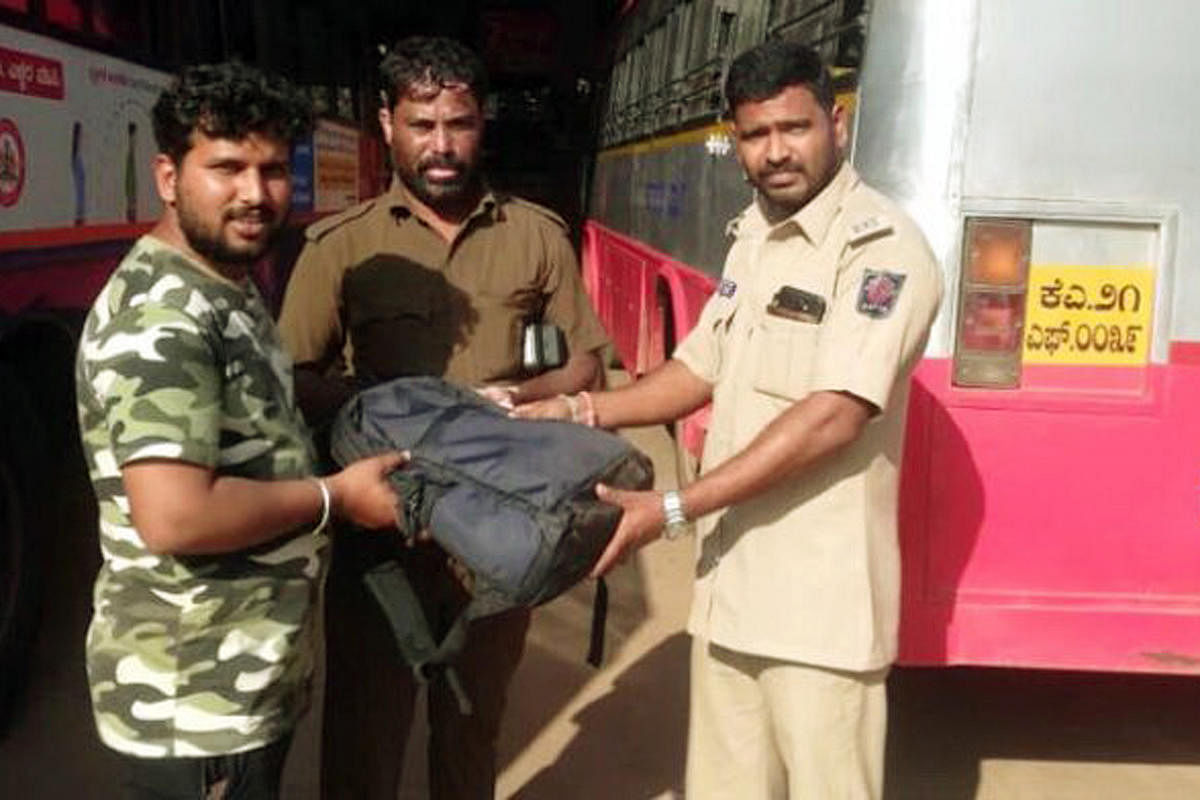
192 655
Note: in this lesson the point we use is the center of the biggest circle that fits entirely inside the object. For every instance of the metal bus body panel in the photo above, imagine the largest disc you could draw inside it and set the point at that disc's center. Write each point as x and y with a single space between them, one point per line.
672 194
910 120
1127 132
67 276
1037 109
1051 535
1052 525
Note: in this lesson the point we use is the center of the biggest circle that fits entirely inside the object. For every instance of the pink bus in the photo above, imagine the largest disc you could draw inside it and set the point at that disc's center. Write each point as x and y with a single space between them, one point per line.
1050 503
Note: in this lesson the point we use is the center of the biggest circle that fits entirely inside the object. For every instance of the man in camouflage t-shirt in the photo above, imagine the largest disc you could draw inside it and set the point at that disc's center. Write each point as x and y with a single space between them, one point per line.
212 527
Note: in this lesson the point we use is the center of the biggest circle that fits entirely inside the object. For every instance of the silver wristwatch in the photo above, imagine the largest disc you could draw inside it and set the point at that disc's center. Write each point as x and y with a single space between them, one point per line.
672 505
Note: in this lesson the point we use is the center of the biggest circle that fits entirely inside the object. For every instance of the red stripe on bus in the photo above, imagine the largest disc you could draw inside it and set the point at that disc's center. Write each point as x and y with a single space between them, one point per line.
66 237
32 239
1184 353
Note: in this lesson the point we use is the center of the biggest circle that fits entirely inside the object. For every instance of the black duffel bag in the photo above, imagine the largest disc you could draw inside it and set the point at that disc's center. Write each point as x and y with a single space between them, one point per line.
513 501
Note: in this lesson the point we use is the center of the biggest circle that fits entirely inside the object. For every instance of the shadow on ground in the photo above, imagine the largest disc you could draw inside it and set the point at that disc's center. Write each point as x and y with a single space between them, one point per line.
629 742
945 723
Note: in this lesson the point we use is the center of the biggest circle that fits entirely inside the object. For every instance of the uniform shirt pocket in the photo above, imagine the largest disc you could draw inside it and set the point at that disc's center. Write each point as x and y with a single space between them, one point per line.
495 340
785 355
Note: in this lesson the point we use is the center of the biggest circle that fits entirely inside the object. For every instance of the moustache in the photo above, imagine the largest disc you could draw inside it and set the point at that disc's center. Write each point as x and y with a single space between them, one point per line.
253 214
782 169
441 162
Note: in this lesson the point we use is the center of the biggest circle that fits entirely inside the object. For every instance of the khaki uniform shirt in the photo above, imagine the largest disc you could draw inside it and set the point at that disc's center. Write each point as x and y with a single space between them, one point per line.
809 571
380 290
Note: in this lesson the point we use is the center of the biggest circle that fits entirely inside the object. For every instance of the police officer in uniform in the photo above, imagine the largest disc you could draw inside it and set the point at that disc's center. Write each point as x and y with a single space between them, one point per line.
436 277
805 351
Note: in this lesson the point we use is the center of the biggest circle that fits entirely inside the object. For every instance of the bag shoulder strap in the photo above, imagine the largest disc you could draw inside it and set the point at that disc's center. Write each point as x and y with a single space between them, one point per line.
391 588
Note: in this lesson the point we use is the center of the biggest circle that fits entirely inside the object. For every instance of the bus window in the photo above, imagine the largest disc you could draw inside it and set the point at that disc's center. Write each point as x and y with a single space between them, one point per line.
726 26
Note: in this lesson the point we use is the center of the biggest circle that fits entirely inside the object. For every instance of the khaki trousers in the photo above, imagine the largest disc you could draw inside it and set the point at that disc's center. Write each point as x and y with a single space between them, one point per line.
370 694
765 728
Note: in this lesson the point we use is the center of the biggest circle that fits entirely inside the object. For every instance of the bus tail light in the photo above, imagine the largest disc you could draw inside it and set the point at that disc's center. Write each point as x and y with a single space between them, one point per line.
992 309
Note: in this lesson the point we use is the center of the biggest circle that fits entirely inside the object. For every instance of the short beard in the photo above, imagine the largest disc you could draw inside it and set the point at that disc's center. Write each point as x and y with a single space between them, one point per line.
441 195
207 242
779 209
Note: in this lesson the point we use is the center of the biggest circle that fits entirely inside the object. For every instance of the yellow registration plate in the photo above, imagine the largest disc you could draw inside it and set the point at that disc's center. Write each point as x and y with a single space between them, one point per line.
1088 315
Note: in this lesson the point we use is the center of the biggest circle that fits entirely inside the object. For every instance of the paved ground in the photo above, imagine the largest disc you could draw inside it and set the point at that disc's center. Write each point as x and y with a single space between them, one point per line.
573 732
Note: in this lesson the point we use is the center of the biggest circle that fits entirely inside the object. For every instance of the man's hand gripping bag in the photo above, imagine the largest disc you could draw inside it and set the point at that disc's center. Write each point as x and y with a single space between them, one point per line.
513 501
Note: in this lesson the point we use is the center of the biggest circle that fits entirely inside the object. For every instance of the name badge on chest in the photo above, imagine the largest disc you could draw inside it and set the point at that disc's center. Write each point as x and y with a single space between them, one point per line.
797 304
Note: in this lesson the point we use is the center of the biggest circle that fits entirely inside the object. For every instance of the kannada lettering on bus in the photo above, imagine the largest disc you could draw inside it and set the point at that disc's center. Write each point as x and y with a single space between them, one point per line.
1098 315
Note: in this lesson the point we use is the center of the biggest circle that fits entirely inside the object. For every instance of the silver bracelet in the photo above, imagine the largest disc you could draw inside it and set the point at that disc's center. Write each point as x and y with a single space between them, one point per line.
326 505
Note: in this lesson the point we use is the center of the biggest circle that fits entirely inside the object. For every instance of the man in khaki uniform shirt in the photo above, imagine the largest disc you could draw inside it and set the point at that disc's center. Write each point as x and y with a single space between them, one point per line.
436 277
805 351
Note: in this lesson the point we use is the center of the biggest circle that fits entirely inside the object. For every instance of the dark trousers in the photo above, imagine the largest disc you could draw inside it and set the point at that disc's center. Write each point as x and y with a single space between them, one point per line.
370 693
252 775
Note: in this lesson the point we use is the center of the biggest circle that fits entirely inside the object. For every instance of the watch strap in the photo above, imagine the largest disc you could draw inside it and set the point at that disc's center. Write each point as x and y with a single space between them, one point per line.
676 519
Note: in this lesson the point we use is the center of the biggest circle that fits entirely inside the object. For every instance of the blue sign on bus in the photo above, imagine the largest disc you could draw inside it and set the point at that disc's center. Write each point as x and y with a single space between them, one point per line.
302 176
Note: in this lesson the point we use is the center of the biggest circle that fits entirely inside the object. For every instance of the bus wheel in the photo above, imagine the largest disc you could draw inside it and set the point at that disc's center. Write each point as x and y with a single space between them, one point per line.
21 457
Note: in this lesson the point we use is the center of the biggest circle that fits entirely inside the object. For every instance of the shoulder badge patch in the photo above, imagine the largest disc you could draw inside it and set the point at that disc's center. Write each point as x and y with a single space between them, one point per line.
878 293
726 288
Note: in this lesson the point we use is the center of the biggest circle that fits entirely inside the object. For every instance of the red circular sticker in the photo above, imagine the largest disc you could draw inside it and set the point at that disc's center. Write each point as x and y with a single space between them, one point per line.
12 163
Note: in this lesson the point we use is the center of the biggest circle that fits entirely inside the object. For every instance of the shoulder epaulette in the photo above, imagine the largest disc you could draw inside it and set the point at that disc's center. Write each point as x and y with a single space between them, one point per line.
869 228
540 210
321 227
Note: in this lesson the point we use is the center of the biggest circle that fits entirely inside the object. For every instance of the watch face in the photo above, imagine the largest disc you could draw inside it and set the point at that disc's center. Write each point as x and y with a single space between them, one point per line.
674 530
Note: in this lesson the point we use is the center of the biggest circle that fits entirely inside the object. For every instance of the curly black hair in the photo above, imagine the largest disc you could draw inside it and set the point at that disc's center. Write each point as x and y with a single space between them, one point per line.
431 61
229 100
764 71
